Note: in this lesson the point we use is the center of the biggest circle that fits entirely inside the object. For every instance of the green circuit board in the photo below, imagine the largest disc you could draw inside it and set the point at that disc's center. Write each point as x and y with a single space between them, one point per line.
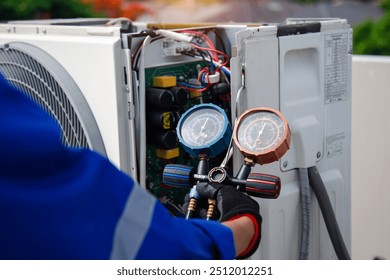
155 164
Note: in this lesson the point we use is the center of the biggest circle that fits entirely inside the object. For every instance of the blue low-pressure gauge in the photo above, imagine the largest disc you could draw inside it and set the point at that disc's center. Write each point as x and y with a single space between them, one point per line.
204 130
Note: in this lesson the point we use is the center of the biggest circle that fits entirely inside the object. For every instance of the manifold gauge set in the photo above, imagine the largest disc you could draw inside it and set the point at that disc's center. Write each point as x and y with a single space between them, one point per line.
262 135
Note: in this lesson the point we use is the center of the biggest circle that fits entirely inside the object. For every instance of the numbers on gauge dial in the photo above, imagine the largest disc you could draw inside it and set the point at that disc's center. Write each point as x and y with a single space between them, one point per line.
202 127
260 132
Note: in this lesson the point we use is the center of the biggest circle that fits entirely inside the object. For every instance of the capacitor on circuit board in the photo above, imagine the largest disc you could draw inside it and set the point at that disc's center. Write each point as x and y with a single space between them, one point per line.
160 97
163 119
180 96
164 139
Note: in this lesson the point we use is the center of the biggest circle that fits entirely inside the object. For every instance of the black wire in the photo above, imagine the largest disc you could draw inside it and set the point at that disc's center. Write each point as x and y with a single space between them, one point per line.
305 213
193 55
137 55
320 192
202 53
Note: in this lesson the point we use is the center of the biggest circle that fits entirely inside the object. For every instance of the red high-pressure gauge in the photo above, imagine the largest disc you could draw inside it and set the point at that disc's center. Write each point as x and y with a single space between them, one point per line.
262 135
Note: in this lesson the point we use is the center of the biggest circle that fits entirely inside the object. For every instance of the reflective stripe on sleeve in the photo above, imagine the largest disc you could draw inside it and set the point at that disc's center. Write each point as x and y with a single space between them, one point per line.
133 224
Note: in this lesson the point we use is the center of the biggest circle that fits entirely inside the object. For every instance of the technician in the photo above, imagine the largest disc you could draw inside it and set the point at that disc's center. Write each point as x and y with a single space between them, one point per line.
65 203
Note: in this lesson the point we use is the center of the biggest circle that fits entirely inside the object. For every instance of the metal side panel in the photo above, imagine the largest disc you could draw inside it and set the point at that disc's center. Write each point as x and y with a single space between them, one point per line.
307 77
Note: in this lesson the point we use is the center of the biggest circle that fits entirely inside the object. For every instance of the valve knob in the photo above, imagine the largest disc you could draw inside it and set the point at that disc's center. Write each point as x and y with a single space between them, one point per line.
263 185
178 175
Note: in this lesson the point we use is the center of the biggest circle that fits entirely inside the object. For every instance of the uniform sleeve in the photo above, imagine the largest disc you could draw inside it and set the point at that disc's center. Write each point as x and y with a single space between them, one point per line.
158 235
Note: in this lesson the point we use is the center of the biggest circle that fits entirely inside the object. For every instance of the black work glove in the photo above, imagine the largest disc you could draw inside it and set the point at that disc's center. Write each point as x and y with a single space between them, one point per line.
232 204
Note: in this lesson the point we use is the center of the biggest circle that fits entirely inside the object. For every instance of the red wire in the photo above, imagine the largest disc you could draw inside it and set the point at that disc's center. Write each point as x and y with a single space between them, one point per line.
207 40
213 50
204 70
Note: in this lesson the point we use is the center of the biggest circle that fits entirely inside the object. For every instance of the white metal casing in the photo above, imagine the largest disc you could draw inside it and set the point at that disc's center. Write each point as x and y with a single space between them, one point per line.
95 60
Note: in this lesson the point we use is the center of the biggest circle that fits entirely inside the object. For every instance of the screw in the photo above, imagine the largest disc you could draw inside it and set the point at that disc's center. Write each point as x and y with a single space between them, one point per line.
285 164
318 155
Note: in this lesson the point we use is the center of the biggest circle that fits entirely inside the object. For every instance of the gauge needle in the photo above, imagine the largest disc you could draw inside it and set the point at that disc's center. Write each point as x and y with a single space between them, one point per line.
202 128
258 136
262 129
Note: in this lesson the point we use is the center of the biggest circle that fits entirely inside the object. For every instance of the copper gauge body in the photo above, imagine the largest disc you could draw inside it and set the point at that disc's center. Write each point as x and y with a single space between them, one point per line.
262 135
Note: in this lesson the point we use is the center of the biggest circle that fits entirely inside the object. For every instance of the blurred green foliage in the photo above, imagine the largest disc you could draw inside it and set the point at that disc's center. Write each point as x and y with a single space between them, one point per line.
33 9
373 37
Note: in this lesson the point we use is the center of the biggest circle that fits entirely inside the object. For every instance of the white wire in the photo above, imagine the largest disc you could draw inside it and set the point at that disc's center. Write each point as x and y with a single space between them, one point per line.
229 152
174 35
239 92
117 20
142 114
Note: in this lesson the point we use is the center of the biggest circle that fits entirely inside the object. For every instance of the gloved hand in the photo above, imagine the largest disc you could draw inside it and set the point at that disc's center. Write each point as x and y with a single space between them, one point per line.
231 204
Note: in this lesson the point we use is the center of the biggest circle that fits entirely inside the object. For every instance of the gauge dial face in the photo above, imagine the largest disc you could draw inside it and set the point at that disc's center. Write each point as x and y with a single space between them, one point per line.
262 134
202 127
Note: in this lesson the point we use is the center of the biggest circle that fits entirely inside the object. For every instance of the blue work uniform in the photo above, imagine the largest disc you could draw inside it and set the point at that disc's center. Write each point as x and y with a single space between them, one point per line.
60 203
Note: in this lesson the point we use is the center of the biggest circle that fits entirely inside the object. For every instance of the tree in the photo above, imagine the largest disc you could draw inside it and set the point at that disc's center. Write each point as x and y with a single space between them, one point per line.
373 37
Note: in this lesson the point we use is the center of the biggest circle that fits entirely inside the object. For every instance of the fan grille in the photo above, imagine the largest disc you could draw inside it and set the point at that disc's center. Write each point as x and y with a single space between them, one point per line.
32 77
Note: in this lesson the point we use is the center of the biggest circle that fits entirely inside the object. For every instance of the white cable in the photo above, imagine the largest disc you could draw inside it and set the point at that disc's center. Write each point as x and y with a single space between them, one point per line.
229 152
238 97
174 35
118 20
142 114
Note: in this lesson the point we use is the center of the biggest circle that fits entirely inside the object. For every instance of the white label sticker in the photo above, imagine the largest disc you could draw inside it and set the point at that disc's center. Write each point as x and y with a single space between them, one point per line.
336 67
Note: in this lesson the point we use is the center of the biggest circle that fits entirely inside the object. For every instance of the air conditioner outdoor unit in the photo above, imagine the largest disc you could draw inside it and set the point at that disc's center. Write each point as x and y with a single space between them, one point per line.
96 79
77 74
